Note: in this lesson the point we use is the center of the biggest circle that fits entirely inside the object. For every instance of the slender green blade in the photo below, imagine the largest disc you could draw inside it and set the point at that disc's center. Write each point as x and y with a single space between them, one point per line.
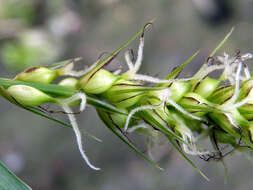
150 117
103 105
215 147
221 43
128 89
109 58
9 181
186 158
176 71
33 110
58 90
52 89
129 144
65 62
37 112
225 124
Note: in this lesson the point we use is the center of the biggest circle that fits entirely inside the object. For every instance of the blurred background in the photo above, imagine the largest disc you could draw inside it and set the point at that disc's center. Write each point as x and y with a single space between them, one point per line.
40 32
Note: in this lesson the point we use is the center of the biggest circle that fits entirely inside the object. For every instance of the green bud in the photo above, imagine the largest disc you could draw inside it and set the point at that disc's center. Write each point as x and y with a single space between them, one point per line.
206 87
194 125
29 96
193 102
159 117
223 121
71 82
119 119
239 119
179 89
246 90
222 94
37 74
121 93
247 109
225 138
250 128
100 82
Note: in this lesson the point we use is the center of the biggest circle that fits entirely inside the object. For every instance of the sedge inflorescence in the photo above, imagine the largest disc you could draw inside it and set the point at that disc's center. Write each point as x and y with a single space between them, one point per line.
184 110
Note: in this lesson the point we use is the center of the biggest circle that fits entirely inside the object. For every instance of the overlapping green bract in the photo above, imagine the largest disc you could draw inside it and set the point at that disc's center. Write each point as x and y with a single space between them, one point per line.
183 110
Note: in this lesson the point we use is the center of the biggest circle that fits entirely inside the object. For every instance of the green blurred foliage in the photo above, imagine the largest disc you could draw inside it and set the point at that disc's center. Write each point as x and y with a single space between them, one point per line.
16 9
19 56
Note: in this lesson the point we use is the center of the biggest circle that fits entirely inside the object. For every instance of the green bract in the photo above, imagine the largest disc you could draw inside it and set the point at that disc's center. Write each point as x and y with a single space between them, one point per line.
71 82
124 93
29 96
206 87
179 89
100 82
37 74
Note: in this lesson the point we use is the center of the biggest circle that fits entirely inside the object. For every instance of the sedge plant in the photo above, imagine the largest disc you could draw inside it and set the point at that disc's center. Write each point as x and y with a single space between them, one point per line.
184 110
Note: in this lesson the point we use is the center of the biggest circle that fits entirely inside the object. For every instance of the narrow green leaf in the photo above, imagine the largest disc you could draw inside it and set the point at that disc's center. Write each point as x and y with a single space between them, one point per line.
198 76
150 117
37 112
186 158
225 124
109 58
58 90
65 62
52 89
113 129
176 71
33 110
137 89
105 106
9 181
221 43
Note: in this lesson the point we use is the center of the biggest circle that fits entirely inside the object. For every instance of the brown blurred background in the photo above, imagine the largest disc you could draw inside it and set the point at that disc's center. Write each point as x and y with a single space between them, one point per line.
39 32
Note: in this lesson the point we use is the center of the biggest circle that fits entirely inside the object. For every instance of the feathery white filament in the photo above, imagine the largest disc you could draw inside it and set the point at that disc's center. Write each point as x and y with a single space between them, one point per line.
151 79
164 97
65 106
141 108
128 61
232 63
206 70
78 96
241 103
237 84
246 72
118 71
73 122
138 62
179 108
136 127
246 56
192 148
188 137
68 71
